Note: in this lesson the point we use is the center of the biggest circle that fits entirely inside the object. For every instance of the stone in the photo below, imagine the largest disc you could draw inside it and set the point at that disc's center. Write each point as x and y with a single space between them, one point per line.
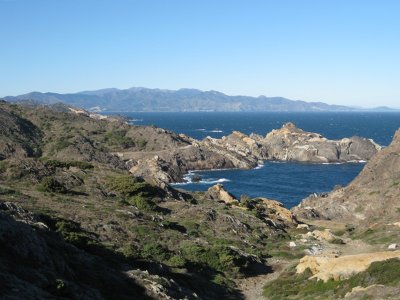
292 244
392 246
302 226
339 268
218 192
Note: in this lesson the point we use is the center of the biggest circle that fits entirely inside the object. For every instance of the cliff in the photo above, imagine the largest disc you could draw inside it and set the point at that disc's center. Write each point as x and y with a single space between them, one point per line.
373 194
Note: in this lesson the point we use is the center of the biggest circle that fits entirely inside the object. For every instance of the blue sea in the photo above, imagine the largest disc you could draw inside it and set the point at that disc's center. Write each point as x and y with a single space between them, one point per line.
286 182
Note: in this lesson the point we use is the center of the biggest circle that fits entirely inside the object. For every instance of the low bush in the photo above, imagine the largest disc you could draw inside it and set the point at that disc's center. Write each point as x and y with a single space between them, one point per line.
129 186
67 164
119 138
51 185
143 203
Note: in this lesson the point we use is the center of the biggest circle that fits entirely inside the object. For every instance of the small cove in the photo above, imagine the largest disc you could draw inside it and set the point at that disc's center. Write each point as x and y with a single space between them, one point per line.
286 182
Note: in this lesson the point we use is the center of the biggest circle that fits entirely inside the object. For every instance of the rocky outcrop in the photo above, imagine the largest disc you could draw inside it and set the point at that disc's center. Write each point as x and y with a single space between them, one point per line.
374 193
293 144
218 193
271 212
339 268
275 211
241 151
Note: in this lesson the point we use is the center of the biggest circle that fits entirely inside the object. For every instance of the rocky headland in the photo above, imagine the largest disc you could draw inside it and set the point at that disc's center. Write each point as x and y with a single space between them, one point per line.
242 151
371 197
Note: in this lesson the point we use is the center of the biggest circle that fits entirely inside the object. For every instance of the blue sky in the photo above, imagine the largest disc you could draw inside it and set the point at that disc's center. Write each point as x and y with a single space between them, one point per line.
342 52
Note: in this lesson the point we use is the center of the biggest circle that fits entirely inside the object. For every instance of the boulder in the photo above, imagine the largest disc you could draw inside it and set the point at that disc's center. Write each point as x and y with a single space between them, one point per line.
218 193
339 268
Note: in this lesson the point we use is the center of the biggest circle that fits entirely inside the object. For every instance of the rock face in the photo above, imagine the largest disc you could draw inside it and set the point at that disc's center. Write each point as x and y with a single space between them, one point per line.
373 194
293 144
275 211
343 267
218 193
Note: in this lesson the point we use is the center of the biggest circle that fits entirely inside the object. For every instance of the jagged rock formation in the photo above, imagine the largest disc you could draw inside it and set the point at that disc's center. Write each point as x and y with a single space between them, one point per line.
238 150
373 194
293 144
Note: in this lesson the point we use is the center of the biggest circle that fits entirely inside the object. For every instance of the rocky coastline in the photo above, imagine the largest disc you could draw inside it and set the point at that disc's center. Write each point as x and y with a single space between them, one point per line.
241 151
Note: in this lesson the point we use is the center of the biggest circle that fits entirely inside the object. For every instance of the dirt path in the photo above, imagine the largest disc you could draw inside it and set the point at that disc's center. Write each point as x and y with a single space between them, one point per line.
252 287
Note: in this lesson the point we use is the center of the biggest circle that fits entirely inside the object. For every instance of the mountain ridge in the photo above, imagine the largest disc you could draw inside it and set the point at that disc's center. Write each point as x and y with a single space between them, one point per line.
181 100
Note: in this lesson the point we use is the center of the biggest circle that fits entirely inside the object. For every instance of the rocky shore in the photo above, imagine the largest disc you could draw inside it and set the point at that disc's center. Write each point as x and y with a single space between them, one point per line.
242 151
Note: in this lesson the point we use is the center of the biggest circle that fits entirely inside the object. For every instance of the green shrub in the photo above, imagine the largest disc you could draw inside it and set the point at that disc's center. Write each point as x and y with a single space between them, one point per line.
142 203
129 186
155 251
51 185
218 257
176 261
140 143
130 251
72 233
67 164
60 144
118 138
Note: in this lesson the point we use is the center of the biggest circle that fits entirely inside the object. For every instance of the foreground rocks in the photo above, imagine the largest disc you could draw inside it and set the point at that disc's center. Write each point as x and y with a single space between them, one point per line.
339 268
272 212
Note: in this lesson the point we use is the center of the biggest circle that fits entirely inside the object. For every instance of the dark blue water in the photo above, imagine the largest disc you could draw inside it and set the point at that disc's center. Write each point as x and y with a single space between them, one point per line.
286 182
378 126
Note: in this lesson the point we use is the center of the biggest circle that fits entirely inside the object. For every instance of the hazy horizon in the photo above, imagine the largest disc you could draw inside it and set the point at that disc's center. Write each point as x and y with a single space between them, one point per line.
344 52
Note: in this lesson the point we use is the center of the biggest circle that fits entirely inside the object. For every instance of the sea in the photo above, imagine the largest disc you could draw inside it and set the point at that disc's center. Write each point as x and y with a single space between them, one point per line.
286 182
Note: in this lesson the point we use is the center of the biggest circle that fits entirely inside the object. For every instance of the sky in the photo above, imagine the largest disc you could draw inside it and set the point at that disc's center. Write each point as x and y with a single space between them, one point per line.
339 52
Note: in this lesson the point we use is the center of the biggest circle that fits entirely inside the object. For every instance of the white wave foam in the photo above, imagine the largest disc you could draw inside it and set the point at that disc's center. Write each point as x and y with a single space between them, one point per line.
259 167
188 180
200 129
215 130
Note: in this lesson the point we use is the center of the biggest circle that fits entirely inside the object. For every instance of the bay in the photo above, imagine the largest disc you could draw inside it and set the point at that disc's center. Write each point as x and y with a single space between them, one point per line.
286 182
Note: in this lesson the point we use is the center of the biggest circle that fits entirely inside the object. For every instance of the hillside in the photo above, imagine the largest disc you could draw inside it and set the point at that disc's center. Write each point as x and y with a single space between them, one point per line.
76 224
81 220
144 99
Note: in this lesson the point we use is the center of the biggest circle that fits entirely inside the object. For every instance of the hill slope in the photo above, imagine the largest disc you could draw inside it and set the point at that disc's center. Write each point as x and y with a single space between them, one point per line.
373 195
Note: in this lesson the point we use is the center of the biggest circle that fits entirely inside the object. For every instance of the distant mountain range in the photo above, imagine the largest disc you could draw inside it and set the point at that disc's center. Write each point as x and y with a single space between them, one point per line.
144 99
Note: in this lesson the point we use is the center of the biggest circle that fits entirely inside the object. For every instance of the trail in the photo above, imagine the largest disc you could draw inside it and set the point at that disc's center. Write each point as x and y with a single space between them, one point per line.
252 287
